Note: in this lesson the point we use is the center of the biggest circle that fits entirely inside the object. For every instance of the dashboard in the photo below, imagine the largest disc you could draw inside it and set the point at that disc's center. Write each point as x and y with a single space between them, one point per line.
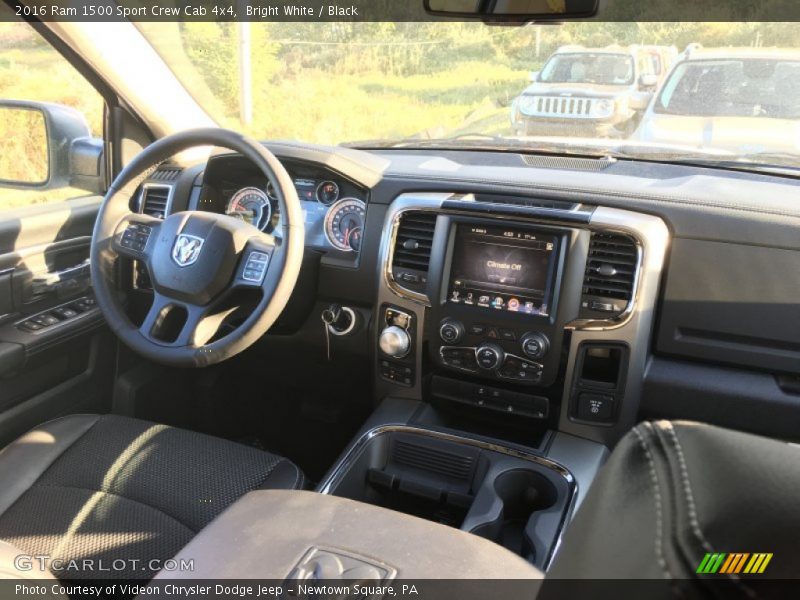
567 293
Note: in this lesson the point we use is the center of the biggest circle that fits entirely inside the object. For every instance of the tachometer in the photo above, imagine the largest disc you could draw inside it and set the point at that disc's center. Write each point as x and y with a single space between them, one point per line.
251 204
344 224
328 192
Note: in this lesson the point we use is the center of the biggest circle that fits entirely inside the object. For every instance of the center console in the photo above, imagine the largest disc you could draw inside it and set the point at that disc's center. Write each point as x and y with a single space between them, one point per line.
497 311
516 330
530 314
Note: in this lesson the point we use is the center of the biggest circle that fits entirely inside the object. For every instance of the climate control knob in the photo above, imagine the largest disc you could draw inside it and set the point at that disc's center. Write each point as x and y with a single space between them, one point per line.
534 345
451 331
395 342
489 356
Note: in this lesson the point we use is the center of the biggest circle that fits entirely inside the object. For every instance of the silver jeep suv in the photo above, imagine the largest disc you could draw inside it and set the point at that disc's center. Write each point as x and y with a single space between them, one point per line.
591 92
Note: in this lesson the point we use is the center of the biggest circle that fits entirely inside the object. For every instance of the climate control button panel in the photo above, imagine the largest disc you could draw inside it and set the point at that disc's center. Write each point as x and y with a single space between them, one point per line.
506 354
486 360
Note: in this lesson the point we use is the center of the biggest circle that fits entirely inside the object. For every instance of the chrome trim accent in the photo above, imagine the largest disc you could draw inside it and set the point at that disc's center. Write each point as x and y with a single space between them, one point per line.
403 345
360 445
622 318
401 205
432 202
649 234
352 325
564 107
651 237
633 327
453 323
170 194
344 465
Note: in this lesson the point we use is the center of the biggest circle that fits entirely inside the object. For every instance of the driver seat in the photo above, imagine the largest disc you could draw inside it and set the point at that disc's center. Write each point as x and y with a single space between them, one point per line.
105 488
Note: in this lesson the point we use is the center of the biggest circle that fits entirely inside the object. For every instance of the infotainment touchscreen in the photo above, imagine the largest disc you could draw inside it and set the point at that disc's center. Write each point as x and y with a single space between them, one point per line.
503 269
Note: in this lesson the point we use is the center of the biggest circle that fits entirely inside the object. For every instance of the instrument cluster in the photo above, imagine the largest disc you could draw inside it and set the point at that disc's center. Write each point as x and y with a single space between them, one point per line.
335 208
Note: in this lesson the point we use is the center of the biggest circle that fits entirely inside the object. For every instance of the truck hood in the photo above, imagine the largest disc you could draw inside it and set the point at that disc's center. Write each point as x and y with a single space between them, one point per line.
741 135
574 89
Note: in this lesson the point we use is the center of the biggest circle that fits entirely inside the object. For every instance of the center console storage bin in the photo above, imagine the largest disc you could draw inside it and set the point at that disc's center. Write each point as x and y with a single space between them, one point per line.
509 497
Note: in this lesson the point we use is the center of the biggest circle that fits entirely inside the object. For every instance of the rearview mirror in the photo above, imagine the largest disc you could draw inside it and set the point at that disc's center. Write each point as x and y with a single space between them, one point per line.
48 146
513 10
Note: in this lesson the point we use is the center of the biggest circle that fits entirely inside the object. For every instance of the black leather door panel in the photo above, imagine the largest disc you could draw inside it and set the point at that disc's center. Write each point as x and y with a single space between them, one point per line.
67 366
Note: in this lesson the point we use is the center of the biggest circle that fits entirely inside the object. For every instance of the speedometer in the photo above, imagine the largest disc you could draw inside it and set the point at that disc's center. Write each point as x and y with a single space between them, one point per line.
251 204
344 224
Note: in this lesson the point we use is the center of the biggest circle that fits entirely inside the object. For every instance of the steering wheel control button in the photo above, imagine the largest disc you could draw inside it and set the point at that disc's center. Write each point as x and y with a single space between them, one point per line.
535 345
255 267
489 356
135 237
519 369
451 331
459 358
595 407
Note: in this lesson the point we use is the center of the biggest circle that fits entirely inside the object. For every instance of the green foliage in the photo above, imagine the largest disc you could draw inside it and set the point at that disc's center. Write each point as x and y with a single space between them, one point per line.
334 82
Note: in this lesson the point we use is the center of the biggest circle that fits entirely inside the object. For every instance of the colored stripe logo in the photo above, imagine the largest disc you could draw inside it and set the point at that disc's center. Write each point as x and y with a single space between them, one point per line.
734 563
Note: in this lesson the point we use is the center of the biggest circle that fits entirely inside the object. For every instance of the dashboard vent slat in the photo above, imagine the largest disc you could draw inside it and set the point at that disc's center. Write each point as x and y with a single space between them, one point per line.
570 163
412 249
165 174
611 266
155 200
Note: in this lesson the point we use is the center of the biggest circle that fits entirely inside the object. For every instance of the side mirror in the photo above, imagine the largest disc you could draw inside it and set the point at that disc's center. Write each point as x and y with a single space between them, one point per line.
639 100
533 76
48 146
648 82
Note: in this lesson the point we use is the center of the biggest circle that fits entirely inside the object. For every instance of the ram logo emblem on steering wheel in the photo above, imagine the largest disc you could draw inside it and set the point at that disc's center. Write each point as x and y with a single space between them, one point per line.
186 249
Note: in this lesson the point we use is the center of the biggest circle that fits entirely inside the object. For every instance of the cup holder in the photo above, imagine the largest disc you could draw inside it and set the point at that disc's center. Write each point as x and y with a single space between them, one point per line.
522 493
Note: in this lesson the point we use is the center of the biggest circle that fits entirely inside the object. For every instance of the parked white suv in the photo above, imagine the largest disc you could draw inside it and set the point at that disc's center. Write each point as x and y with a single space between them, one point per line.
743 100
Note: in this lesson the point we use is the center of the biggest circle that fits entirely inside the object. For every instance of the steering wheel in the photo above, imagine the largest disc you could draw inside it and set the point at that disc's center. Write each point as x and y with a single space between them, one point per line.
196 260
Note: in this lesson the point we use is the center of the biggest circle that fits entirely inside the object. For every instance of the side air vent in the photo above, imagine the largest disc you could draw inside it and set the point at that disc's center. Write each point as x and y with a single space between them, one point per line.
155 200
412 249
610 275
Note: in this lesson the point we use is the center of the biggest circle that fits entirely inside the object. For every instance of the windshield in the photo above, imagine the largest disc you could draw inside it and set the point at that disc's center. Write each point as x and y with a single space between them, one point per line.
734 88
478 86
603 69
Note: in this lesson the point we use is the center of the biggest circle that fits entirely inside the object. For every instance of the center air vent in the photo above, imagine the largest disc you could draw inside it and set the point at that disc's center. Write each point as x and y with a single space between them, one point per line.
155 200
610 274
412 249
